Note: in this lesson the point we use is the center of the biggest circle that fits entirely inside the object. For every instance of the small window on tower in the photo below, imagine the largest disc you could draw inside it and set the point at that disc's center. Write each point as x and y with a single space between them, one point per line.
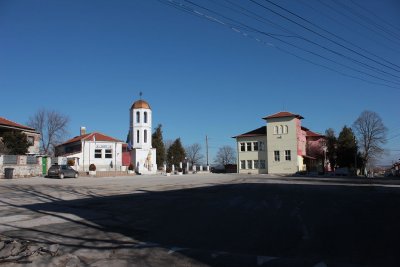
145 117
137 117
137 136
145 136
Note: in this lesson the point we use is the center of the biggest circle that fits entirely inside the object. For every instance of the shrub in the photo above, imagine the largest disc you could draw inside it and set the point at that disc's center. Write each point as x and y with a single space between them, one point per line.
92 167
71 162
180 170
131 167
168 170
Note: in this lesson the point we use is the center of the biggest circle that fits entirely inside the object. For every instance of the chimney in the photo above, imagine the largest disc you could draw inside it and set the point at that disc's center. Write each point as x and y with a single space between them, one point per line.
83 130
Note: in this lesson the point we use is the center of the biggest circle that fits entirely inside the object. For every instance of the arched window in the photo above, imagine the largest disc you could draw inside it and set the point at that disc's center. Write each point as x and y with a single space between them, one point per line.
276 130
286 129
145 136
137 136
145 117
280 130
137 117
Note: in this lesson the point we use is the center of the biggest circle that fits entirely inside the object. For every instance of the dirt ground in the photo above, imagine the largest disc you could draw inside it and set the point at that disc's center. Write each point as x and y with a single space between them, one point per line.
199 220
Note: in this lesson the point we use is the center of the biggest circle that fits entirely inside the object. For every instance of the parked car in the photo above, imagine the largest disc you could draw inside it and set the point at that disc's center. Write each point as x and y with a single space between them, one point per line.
62 171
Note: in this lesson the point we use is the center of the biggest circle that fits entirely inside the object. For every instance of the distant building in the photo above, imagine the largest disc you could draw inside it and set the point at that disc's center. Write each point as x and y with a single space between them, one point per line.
143 155
280 147
93 148
32 135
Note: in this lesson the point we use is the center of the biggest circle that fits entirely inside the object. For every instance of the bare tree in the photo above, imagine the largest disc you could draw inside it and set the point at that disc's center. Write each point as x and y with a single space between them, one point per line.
193 153
371 133
52 126
225 155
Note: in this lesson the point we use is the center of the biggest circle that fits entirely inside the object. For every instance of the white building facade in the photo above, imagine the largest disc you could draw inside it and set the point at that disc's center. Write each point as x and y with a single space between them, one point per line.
103 151
143 155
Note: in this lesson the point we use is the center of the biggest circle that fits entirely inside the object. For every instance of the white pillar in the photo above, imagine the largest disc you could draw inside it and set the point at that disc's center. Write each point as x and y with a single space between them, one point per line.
208 168
201 168
180 164
173 168
165 167
194 168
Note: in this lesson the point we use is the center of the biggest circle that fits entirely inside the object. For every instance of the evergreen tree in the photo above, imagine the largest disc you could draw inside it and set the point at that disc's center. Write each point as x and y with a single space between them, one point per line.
158 143
331 147
16 143
176 153
346 148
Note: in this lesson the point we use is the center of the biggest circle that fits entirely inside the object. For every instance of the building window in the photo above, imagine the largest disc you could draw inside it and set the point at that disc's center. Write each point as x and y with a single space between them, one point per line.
137 136
137 117
242 147
243 164
262 146
287 155
276 130
108 154
31 140
145 117
97 154
249 146
262 164
255 146
145 136
256 164
285 129
280 130
249 164
276 154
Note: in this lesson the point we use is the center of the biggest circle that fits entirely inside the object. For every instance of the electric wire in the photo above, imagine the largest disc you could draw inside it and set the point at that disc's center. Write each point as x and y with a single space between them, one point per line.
189 10
326 38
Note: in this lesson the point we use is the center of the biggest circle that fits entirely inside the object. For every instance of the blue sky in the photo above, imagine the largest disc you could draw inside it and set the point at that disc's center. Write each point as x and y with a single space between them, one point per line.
90 59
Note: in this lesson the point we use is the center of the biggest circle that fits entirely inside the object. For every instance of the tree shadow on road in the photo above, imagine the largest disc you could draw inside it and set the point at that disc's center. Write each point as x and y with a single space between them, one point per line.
340 224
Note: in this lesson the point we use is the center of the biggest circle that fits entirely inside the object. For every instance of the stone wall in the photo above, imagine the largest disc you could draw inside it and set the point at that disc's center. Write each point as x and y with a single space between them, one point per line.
21 168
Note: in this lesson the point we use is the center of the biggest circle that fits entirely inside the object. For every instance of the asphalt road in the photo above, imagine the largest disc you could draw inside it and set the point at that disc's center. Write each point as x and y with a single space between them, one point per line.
204 220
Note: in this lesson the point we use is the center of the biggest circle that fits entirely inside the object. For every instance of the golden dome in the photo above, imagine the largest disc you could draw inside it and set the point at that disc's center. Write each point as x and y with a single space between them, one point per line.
140 104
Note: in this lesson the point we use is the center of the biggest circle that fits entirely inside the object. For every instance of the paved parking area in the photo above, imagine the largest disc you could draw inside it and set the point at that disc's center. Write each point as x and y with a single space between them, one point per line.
202 220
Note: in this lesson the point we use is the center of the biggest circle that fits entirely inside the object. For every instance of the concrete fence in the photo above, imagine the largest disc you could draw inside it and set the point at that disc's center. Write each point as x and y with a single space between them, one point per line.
21 165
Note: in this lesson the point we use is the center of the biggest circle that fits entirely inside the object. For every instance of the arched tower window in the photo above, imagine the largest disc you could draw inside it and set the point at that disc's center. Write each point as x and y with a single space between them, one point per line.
137 117
276 130
145 136
280 130
286 129
145 117
137 136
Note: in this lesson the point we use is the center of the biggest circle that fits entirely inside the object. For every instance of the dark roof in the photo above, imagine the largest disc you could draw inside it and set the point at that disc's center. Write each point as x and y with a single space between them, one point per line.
257 132
8 123
283 114
91 137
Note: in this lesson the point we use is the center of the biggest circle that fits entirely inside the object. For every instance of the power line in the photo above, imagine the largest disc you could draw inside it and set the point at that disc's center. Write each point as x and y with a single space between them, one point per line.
321 35
345 25
375 16
367 20
274 36
354 20
297 36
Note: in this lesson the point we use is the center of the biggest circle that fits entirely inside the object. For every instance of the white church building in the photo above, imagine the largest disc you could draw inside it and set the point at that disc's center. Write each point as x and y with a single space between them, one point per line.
143 155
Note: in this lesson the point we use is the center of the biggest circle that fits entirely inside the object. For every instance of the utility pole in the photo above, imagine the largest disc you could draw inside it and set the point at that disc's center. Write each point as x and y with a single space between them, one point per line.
207 148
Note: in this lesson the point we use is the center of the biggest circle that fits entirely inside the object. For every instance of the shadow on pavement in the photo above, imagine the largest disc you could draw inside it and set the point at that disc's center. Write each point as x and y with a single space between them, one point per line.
338 224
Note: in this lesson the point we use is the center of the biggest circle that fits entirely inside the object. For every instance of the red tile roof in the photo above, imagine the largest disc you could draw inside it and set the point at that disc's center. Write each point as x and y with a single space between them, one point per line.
257 132
283 114
91 137
5 122
313 134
